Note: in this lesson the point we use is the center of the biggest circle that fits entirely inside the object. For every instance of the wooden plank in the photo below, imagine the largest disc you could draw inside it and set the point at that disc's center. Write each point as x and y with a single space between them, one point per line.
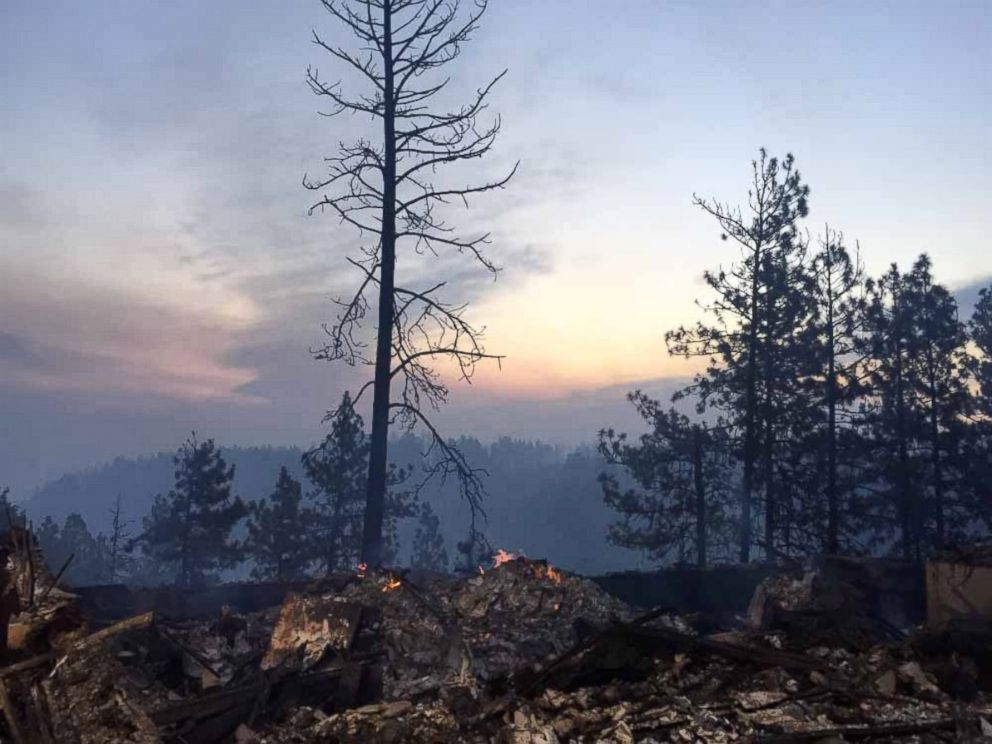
205 706
867 731
134 623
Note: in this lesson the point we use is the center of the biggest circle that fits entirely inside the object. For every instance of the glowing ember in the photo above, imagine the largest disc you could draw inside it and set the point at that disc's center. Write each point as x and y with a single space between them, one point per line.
392 584
502 557
482 571
362 567
554 575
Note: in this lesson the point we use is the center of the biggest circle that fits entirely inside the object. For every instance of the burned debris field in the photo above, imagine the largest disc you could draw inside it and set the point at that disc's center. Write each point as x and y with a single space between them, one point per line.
495 372
521 653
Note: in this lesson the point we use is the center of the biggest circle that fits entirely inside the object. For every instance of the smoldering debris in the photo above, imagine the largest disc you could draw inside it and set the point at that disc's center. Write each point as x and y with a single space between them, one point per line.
522 653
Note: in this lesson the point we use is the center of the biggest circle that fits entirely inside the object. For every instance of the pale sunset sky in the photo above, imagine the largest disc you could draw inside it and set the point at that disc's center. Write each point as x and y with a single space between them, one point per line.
159 271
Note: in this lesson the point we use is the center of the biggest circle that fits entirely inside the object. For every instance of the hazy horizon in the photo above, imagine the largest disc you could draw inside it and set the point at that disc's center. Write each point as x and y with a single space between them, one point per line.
161 274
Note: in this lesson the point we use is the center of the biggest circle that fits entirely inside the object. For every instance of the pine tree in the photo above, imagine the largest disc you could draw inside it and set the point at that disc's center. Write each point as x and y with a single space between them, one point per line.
939 382
919 407
338 470
47 536
429 552
10 513
976 446
890 416
90 560
678 506
761 303
980 328
190 528
277 531
835 386
787 361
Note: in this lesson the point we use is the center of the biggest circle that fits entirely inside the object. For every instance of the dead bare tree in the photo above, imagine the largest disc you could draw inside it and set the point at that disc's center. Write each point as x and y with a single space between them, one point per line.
119 537
385 188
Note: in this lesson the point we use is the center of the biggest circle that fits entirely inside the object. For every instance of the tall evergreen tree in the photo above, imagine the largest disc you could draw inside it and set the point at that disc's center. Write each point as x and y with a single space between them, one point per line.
919 406
47 535
278 528
338 469
835 386
980 330
939 379
10 513
976 455
784 349
90 555
751 331
429 552
678 506
190 528
891 416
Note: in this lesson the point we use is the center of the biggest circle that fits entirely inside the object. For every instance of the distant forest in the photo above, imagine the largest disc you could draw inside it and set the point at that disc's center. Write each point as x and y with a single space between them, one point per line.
543 501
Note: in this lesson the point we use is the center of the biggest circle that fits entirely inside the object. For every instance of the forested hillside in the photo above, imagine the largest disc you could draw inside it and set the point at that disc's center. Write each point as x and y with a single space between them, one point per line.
542 500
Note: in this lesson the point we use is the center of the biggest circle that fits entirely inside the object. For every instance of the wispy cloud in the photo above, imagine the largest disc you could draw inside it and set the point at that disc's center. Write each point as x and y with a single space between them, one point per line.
60 336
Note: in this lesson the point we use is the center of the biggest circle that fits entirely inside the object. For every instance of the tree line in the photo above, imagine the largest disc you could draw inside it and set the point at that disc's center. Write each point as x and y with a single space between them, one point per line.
200 528
544 502
836 412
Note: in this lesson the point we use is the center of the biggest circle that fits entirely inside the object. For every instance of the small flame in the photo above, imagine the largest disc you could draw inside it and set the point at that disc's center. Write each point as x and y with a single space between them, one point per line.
392 584
482 571
362 568
554 575
502 557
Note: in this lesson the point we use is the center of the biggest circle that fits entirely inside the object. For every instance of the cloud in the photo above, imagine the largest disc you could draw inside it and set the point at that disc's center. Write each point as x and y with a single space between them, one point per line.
163 273
18 350
60 336
967 294
20 206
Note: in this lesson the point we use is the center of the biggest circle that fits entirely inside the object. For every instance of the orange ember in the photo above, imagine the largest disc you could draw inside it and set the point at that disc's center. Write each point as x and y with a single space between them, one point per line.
362 567
554 574
502 557
392 584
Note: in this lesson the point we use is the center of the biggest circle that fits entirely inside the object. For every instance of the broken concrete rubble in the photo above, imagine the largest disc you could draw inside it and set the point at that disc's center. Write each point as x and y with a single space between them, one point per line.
521 654
959 585
850 601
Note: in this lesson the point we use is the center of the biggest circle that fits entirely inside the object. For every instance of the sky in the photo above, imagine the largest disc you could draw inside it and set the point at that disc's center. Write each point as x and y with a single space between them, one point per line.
160 272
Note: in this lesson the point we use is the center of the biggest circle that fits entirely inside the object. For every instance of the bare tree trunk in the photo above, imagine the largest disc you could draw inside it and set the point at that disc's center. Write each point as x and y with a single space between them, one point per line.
768 467
768 424
331 555
833 507
938 479
905 501
375 498
750 403
700 486
184 571
414 325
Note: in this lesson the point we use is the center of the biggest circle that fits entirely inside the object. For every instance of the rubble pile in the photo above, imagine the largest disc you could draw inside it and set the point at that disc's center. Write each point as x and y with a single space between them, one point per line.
547 661
522 653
